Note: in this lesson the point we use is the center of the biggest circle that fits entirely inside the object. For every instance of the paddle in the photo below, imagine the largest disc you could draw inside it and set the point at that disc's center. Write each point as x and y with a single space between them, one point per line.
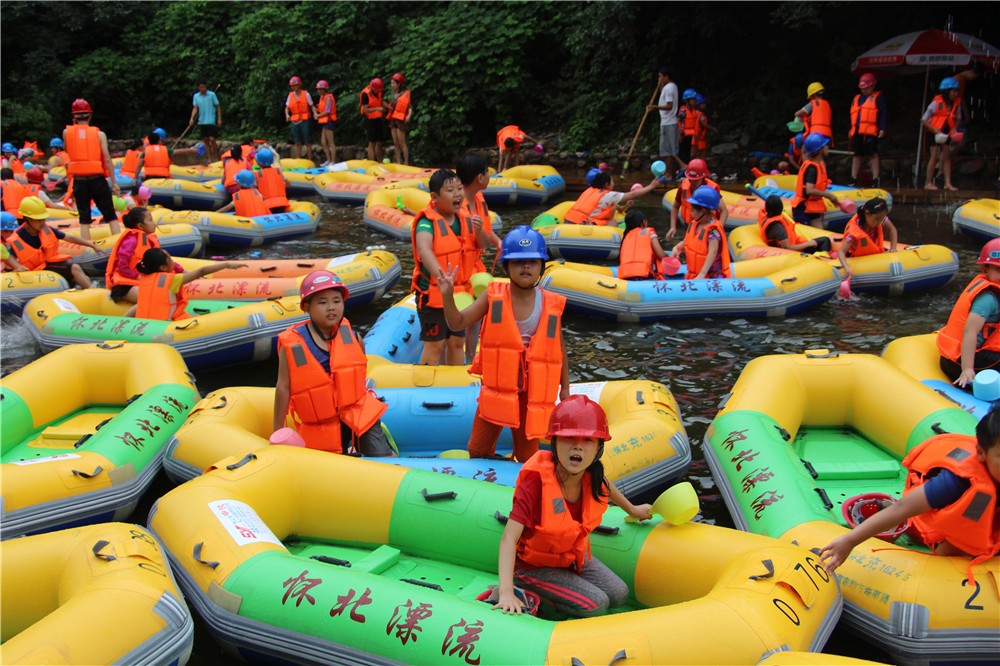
676 505
635 139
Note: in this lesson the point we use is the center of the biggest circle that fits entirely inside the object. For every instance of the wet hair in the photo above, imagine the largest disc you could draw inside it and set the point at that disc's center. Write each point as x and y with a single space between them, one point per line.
988 429
773 205
134 217
439 178
876 205
247 141
598 482
602 179
6 173
634 219
153 260
153 138
469 166
236 152
509 143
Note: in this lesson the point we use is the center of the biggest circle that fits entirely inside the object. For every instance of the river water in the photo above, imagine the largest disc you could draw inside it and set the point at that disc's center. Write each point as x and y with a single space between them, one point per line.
698 359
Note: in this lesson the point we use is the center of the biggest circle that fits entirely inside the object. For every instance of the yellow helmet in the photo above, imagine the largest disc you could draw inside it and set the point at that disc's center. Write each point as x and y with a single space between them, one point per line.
34 208
814 87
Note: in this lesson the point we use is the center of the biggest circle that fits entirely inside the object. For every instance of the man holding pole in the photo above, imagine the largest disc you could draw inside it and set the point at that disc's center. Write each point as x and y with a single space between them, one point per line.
208 113
667 106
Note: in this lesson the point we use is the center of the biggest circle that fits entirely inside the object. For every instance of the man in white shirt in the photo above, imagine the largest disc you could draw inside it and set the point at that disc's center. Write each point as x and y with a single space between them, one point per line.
667 106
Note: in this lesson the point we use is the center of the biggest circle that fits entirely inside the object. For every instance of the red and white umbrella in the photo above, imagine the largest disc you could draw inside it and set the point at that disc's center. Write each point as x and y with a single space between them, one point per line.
918 51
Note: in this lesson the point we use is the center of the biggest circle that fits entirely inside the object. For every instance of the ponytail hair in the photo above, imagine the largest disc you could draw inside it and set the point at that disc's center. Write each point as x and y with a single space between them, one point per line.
134 217
598 482
153 260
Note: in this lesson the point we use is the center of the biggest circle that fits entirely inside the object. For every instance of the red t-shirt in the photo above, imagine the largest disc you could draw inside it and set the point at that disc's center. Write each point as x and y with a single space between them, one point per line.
527 509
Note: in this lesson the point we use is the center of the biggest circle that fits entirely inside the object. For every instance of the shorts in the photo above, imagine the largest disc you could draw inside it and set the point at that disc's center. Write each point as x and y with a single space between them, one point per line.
371 444
668 140
863 145
433 325
373 128
87 189
300 132
329 126
62 268
684 150
800 215
208 131
399 124
119 291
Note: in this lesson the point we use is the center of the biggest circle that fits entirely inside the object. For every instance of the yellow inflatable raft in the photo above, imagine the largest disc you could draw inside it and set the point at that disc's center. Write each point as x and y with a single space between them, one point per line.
352 559
62 590
979 218
351 188
384 211
180 240
227 230
17 288
187 194
524 184
910 269
742 209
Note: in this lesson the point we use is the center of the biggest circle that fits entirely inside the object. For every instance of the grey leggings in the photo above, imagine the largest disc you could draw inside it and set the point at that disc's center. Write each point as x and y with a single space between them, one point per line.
591 592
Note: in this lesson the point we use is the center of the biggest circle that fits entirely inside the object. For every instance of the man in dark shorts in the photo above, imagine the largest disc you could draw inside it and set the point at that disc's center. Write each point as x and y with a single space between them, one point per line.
207 113
91 168
868 123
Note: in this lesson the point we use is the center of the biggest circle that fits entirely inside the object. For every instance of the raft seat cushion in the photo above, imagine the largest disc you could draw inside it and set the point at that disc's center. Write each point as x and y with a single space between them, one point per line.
378 560
872 469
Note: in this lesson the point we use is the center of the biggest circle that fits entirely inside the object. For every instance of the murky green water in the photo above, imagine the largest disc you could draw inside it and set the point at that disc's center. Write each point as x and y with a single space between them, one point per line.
698 359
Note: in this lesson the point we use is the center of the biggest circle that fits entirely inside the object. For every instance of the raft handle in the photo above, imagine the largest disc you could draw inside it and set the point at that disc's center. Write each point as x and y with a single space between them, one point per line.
784 433
196 554
725 399
502 519
809 467
200 311
184 327
789 279
433 497
604 529
133 399
102 423
99 546
265 269
422 583
936 427
105 345
83 439
326 559
392 350
829 354
607 286
97 471
242 461
407 336
638 398
305 264
221 404
41 313
410 319
769 566
621 654
437 405
827 504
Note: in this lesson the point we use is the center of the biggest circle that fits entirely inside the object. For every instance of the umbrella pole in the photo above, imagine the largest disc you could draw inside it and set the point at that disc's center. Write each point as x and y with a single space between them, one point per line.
920 136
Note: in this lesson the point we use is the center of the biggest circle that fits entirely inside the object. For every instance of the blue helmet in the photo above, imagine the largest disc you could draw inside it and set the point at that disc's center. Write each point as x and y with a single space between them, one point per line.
8 222
8 147
699 98
799 138
706 197
265 157
949 83
523 242
690 93
56 142
245 178
160 132
814 143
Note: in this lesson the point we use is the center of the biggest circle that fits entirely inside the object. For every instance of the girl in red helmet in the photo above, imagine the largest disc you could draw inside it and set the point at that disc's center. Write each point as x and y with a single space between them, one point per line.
560 497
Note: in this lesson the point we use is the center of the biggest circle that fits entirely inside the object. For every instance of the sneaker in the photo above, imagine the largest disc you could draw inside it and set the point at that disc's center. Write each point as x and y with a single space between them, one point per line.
853 182
876 182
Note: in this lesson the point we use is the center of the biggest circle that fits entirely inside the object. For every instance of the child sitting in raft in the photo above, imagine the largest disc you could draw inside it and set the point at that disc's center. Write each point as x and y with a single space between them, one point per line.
640 253
162 294
8 225
865 232
597 203
522 357
560 497
271 182
704 244
950 497
779 231
247 201
695 176
36 245
121 275
321 376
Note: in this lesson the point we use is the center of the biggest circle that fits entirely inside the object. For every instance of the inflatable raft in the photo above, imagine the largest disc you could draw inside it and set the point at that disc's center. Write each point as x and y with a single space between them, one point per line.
383 211
187 194
60 591
648 448
910 269
180 240
527 184
17 288
802 433
833 218
351 188
918 356
578 242
83 431
394 572
742 209
219 333
979 218
228 230
767 287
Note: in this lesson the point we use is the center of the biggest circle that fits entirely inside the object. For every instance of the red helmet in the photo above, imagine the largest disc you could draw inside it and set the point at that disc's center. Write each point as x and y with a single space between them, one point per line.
578 416
35 175
990 255
318 281
697 168
295 81
80 106
322 85
857 510
376 84
398 78
866 81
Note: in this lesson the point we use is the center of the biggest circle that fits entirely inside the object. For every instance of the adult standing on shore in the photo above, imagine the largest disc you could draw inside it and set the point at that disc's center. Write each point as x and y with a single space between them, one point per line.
668 105
298 110
400 112
373 109
208 114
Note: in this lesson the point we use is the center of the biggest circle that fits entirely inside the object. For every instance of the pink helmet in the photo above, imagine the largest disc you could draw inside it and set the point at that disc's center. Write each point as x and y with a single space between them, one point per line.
866 81
697 168
398 78
990 255
295 81
578 416
323 85
318 281
145 193
376 84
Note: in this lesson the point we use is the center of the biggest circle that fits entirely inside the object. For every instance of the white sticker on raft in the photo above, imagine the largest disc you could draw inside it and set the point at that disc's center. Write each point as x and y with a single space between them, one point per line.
592 390
242 522
65 305
47 459
340 261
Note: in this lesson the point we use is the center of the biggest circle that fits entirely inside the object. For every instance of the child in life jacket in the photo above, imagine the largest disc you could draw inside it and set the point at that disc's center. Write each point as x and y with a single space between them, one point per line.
816 115
640 253
546 550
162 294
36 245
942 119
779 231
322 376
950 497
970 341
130 164
522 358
271 182
695 176
865 232
704 244
812 183
247 201
8 225
597 203
121 275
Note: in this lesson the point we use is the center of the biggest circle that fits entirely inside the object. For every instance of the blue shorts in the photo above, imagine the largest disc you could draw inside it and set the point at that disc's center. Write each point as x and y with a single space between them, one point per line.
300 132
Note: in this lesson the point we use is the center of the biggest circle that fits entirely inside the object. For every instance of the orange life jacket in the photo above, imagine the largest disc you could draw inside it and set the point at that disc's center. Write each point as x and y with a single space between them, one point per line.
820 120
813 204
230 167
63 158
249 203
794 152
156 300
510 132
323 397
449 249
157 162
17 166
34 146
863 244
690 117
636 258
763 222
13 192
502 360
83 143
271 186
970 523
684 193
559 540
374 100
131 162
864 117
582 211
323 120
949 338
483 211
945 119
298 105
701 133
36 259
402 106
144 241
696 248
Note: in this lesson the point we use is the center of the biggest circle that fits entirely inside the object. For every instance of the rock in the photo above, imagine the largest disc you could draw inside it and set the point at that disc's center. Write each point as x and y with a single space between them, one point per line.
725 149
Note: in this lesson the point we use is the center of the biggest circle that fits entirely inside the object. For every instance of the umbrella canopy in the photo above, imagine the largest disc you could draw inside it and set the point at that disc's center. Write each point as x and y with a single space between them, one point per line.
916 51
